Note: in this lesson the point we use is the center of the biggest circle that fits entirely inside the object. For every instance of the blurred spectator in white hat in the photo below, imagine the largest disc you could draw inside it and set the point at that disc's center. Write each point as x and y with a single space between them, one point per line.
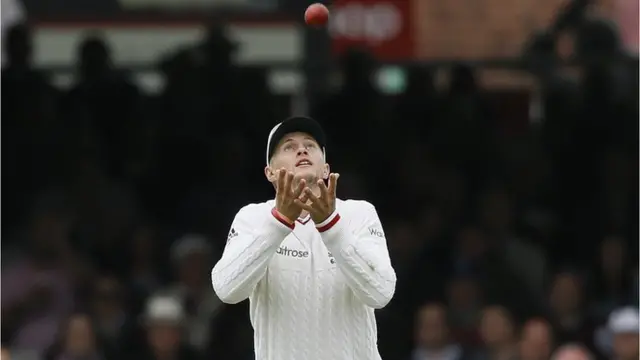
191 257
623 324
618 339
164 320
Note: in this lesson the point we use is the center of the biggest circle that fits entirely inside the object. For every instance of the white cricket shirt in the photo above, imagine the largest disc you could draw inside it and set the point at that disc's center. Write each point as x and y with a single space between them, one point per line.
313 289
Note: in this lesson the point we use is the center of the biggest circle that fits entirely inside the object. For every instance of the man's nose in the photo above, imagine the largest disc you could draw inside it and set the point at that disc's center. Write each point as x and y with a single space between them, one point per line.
302 151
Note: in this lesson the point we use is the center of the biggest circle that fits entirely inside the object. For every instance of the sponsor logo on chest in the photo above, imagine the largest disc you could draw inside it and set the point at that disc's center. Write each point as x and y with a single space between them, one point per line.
285 251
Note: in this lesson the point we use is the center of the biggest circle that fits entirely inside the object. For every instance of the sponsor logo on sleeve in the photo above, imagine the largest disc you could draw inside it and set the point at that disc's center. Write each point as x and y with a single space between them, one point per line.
376 231
232 233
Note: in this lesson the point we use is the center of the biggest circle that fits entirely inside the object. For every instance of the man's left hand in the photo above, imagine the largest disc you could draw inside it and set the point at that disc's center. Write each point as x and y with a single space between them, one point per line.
320 208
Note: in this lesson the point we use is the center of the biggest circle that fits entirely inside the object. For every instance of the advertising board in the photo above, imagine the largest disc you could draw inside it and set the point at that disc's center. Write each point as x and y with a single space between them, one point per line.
382 26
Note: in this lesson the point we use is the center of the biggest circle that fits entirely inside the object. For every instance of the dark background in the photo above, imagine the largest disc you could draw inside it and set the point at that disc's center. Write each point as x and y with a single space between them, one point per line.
504 209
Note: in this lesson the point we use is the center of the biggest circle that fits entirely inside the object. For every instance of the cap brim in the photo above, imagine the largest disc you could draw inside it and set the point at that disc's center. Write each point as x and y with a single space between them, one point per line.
295 124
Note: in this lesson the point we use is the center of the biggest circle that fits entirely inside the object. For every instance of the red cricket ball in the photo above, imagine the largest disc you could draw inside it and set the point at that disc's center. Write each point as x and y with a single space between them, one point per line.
316 15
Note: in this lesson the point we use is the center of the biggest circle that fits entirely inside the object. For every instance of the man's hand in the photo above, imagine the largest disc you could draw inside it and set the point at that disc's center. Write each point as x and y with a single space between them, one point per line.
286 195
320 208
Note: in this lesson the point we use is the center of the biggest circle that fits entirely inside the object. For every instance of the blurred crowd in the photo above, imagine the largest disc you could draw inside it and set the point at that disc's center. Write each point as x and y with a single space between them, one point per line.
514 234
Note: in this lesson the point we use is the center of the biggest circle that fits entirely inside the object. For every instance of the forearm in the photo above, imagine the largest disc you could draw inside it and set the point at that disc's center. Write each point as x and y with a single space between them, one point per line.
245 260
366 268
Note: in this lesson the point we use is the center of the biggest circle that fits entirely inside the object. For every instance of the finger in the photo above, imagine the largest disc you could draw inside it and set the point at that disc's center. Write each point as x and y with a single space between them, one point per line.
279 180
303 205
303 197
333 182
288 178
324 192
310 195
301 185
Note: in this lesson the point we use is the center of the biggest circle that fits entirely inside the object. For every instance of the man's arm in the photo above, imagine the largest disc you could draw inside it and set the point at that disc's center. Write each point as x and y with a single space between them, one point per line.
250 247
361 255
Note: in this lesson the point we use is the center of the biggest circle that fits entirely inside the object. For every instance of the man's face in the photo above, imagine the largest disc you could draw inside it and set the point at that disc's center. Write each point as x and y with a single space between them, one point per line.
300 153
565 294
80 339
432 327
164 337
496 327
536 342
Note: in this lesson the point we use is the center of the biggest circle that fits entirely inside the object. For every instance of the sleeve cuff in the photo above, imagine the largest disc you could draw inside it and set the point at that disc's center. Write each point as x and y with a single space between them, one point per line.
332 232
329 223
282 219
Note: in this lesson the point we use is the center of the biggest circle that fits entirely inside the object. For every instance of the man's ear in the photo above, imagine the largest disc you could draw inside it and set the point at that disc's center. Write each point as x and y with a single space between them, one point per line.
270 174
326 171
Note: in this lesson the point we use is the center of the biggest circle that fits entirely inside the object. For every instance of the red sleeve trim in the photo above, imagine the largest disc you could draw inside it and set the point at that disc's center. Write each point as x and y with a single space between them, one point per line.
283 219
330 224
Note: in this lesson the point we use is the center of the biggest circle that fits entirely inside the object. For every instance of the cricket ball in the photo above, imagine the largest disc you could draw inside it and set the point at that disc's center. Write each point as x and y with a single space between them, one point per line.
316 15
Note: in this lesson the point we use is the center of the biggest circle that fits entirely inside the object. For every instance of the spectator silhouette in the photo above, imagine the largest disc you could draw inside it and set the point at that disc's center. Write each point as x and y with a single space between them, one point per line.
432 336
417 105
190 257
612 279
536 340
498 335
463 133
28 113
163 324
77 340
113 322
18 47
357 107
568 316
37 287
103 103
219 49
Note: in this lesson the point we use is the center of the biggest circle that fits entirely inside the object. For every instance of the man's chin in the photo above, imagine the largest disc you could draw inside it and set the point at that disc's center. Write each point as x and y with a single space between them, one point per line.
309 174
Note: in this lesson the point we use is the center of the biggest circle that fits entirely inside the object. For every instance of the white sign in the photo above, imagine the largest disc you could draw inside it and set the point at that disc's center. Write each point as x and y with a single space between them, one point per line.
373 23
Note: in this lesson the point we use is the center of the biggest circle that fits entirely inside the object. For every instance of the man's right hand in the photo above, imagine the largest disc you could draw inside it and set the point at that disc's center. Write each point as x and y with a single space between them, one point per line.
286 195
